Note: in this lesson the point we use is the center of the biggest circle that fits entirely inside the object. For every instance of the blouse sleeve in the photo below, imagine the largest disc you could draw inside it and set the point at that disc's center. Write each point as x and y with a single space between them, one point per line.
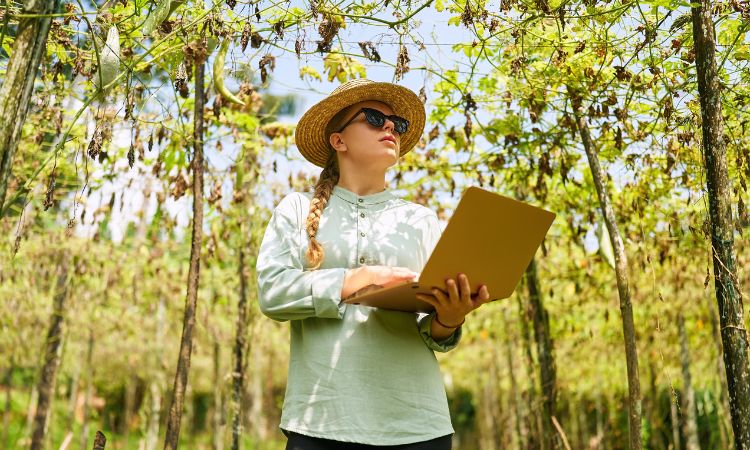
424 321
285 290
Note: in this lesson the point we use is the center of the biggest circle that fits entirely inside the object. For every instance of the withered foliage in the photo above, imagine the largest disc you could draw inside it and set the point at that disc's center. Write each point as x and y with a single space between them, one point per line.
402 63
247 31
268 62
370 51
328 29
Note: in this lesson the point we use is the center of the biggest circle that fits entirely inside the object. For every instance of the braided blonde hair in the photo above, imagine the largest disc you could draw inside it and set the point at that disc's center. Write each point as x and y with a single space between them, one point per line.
329 177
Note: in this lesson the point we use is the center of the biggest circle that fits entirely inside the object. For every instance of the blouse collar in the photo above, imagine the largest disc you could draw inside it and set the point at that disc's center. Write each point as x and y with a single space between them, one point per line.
370 199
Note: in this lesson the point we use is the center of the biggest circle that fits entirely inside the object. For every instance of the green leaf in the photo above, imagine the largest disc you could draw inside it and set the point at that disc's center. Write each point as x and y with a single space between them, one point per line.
310 72
742 54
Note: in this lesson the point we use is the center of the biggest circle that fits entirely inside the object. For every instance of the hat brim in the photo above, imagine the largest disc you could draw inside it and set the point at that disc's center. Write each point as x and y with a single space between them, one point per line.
310 134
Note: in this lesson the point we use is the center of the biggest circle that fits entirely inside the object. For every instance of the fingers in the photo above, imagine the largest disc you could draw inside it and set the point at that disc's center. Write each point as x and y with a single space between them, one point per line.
429 299
385 275
482 296
465 293
452 290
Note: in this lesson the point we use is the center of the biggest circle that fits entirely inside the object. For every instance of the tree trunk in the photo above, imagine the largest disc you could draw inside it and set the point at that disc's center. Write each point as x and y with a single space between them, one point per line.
622 275
654 414
675 416
6 413
186 344
31 413
515 395
733 333
87 394
128 409
575 425
583 424
152 430
15 93
600 425
535 428
239 347
496 431
688 405
725 423
546 360
73 397
217 420
257 415
46 385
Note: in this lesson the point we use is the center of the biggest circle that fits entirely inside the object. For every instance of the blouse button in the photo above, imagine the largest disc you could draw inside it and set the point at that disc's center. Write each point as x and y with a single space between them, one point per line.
361 260
362 215
360 200
362 234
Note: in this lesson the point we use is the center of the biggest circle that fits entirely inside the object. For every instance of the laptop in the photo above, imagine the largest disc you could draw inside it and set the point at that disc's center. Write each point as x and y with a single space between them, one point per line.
491 238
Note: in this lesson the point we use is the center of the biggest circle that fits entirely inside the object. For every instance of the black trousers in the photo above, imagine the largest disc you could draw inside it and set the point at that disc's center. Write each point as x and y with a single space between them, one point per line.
301 442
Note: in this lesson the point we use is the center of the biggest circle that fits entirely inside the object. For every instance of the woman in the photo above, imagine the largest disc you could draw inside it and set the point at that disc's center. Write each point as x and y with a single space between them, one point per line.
359 377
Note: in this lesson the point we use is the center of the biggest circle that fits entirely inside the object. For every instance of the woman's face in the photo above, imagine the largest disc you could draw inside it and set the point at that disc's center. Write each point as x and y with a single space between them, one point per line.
362 143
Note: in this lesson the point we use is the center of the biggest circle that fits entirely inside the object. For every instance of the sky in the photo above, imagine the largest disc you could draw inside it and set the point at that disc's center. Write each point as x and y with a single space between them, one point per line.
128 186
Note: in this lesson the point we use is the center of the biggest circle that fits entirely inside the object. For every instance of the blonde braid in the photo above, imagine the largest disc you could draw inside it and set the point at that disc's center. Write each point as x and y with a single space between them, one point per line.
329 176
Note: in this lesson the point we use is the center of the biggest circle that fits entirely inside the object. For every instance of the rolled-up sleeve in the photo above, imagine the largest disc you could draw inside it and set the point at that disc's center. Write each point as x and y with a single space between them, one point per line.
285 290
425 330
424 321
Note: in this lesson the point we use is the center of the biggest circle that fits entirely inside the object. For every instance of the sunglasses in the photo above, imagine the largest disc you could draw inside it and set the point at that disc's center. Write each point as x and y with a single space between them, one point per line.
377 119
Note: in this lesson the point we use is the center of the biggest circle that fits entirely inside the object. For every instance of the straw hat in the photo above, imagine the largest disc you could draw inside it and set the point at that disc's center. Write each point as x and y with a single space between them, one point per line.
310 134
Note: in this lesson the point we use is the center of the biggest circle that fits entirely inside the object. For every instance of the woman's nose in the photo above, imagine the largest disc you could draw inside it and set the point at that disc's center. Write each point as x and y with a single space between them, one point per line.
389 125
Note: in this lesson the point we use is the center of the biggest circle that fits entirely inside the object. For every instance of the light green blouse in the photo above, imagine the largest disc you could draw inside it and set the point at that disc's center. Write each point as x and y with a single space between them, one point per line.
356 373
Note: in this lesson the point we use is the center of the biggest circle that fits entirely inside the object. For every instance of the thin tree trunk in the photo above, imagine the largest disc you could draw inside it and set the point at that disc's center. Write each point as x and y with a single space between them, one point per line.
15 94
725 423
546 360
515 395
494 395
584 424
73 398
89 389
688 405
600 426
733 332
575 425
621 273
535 432
217 421
186 344
52 354
239 347
31 413
128 410
152 431
675 416
257 415
654 416
6 414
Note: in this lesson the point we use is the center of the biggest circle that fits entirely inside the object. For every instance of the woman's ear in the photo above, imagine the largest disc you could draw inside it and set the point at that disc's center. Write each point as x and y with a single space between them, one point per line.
337 142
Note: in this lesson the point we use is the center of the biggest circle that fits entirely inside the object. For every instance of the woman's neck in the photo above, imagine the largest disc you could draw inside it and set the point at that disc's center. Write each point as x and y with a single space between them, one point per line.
362 185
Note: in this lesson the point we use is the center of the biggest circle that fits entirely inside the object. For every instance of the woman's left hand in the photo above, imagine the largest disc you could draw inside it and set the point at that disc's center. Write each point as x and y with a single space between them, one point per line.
453 304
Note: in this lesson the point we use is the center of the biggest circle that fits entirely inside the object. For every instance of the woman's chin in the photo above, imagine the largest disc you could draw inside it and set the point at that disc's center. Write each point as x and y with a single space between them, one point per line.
390 157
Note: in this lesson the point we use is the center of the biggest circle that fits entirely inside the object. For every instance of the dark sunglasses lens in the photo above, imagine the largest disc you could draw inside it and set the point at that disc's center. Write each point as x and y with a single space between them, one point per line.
400 124
377 119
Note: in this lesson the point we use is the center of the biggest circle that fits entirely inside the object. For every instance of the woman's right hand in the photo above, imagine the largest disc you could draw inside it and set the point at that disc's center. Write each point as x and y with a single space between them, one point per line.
375 277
